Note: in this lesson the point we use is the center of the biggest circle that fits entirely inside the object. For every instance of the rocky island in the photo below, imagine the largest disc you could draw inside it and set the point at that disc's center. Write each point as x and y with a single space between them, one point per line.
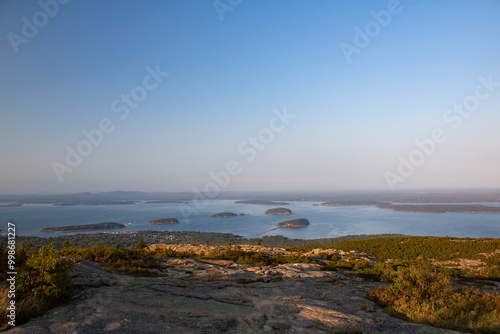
164 221
226 215
279 211
86 227
294 223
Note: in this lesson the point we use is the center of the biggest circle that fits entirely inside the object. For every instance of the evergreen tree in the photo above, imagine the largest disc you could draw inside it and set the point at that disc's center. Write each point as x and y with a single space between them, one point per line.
45 274
141 245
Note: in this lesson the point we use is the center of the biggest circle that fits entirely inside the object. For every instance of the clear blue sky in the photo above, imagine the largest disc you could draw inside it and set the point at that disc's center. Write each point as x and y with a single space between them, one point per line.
356 113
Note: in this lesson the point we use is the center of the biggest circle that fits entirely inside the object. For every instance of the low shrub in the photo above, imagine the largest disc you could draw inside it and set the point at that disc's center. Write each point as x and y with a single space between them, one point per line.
424 293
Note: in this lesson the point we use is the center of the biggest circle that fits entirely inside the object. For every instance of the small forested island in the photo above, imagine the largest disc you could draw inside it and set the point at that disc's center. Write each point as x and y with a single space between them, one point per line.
260 202
294 223
440 208
279 211
226 215
86 227
164 221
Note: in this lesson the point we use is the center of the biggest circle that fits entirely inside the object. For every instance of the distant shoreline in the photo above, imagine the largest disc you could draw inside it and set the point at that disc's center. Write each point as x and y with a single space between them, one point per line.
260 202
440 208
326 198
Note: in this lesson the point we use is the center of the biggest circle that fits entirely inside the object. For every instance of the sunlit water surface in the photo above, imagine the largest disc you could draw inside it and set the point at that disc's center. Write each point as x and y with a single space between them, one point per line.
325 222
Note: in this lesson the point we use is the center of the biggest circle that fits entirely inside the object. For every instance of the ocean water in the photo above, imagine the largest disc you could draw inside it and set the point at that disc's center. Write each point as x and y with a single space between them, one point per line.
326 222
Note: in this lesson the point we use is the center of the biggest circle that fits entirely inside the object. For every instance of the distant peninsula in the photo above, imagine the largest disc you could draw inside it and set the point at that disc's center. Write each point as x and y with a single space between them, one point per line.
226 215
352 203
279 211
161 202
260 202
11 205
164 221
294 223
86 227
94 202
440 208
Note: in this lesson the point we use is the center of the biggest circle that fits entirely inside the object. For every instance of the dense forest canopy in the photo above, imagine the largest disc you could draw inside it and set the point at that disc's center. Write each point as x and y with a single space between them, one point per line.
278 211
294 223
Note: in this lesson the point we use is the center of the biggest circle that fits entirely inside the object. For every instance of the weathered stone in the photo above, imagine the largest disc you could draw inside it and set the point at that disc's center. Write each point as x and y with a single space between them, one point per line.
217 297
87 273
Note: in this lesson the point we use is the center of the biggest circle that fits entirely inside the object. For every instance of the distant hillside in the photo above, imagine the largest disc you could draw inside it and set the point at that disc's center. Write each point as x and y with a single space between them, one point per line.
441 208
262 198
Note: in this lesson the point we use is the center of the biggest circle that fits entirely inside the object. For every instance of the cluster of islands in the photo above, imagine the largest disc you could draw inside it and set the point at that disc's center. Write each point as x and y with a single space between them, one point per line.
292 223
430 202
402 206
427 203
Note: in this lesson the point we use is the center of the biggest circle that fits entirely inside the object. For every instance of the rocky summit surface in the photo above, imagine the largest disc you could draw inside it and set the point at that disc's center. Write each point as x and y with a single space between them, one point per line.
217 296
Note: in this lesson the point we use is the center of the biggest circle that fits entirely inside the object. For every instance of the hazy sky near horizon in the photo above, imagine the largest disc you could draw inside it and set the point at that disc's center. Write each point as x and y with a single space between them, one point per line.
256 94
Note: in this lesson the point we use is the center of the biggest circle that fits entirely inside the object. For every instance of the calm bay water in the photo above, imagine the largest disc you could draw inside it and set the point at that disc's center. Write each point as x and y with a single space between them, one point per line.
326 222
